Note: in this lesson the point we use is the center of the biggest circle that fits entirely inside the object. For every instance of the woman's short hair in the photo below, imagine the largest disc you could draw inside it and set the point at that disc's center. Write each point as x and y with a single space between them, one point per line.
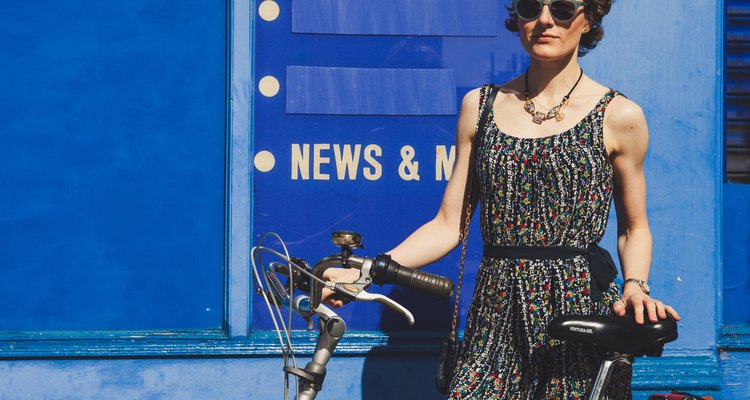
595 10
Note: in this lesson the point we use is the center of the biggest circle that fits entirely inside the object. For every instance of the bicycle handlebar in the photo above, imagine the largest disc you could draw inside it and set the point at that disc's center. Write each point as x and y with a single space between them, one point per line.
381 270
387 271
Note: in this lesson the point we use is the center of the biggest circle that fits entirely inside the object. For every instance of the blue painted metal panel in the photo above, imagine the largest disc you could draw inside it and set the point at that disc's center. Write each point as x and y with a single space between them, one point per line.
736 254
397 17
373 91
380 174
112 163
681 171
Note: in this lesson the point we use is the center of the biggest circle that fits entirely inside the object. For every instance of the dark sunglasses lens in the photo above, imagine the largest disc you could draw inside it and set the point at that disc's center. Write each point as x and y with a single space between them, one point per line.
563 10
528 9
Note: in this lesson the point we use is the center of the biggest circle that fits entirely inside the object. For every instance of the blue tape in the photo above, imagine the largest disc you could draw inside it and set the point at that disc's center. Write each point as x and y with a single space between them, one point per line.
397 17
370 91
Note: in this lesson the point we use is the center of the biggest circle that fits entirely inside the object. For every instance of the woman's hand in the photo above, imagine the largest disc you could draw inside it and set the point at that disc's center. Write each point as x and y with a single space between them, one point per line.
633 299
337 275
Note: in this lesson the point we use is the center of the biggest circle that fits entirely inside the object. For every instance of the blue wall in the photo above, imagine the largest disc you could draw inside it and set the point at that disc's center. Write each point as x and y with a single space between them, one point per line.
104 147
678 88
675 77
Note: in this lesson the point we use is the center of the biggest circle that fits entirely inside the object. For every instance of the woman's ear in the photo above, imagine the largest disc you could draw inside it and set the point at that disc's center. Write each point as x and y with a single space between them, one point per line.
587 27
588 24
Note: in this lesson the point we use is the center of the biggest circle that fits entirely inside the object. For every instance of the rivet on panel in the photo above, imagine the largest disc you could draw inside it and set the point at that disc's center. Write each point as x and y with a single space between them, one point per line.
264 161
269 86
268 10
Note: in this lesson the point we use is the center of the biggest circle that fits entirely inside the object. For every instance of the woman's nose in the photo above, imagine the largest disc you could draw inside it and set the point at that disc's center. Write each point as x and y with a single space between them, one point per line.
545 17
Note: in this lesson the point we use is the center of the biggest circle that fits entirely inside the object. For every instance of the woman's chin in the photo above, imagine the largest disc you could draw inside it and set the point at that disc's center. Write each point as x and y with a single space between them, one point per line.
546 52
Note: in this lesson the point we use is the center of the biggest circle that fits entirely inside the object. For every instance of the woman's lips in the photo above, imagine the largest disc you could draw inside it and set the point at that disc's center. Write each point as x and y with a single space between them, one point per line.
544 38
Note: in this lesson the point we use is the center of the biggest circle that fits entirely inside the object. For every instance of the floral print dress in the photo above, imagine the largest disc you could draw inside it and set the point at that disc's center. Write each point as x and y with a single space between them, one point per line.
549 191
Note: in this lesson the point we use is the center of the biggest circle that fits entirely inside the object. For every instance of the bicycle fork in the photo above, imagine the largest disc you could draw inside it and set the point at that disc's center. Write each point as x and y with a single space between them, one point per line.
332 328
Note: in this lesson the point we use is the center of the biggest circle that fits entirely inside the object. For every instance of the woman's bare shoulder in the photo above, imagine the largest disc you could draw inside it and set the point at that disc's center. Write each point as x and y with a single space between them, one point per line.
624 114
625 127
471 98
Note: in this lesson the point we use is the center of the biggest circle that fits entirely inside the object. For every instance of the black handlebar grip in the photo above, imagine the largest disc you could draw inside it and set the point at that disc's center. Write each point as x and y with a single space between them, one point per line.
387 271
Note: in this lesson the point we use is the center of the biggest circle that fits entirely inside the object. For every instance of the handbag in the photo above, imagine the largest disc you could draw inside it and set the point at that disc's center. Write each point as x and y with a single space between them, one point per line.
451 347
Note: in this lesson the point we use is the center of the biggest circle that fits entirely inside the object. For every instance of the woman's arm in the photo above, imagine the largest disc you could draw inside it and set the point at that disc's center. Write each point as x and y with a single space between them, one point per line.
626 135
440 235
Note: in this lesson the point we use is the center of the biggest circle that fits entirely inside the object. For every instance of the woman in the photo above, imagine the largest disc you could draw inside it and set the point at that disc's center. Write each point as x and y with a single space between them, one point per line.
557 148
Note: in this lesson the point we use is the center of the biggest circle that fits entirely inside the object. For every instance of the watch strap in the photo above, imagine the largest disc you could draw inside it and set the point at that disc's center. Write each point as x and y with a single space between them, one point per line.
641 284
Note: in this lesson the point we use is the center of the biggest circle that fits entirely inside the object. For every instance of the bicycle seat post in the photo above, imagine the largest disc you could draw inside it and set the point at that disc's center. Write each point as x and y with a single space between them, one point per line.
605 371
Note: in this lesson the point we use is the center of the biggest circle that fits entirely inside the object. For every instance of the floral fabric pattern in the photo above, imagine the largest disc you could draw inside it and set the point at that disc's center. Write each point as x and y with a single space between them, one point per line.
550 191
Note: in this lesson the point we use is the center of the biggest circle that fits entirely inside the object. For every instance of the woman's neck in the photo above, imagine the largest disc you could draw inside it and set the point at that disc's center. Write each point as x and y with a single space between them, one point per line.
550 81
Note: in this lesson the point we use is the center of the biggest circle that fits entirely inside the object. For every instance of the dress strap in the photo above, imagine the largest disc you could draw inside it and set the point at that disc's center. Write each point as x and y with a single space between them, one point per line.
601 108
484 92
611 94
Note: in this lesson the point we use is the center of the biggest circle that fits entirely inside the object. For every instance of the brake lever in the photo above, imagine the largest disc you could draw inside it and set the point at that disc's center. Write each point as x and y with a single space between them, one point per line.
356 290
347 292
387 301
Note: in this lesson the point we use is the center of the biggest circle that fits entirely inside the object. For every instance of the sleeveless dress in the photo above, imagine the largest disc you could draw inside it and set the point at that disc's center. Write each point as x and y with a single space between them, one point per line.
550 191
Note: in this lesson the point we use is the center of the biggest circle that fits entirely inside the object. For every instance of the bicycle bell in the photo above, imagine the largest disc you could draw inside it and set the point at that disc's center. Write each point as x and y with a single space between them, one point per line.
347 240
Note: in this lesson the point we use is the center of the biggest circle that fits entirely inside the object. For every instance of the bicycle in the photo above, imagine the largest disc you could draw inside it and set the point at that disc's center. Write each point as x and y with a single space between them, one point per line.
620 340
301 277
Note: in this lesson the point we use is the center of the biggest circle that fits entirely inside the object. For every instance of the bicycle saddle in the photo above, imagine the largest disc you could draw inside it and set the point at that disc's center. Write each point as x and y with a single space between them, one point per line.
615 334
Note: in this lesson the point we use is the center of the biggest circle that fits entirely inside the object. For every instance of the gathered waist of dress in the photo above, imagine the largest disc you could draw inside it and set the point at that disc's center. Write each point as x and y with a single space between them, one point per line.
534 252
601 265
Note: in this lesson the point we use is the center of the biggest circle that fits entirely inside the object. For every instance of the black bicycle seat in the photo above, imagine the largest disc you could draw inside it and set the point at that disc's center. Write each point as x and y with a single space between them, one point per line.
615 334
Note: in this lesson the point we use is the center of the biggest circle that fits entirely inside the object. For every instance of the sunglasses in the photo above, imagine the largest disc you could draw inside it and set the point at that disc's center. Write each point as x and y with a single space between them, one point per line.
561 10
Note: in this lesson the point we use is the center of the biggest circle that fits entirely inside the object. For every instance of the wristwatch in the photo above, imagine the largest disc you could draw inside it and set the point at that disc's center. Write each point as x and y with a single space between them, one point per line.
641 283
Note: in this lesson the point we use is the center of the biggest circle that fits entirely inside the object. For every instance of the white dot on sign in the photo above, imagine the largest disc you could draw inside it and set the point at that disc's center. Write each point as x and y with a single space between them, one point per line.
268 86
264 161
268 10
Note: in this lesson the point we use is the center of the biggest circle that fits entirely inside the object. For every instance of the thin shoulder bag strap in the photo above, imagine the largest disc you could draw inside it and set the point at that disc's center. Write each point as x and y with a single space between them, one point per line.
471 196
471 191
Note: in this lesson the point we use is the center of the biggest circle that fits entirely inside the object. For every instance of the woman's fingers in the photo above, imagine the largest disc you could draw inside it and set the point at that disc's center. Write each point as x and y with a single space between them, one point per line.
651 309
671 311
620 308
637 305
327 293
660 310
337 275
644 307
